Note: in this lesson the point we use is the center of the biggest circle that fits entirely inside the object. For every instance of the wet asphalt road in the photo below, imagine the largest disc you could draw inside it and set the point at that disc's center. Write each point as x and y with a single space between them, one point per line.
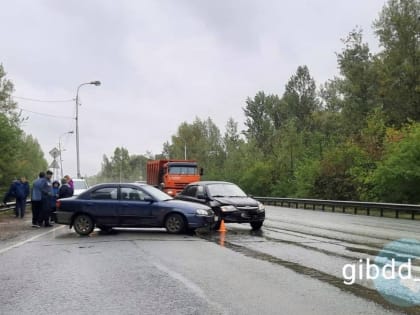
293 266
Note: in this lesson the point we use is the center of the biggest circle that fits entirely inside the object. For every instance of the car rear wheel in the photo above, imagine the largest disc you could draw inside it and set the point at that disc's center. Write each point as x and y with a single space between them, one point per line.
256 225
83 224
175 223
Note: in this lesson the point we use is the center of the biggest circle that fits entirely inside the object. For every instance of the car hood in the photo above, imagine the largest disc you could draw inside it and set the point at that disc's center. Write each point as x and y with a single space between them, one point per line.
237 201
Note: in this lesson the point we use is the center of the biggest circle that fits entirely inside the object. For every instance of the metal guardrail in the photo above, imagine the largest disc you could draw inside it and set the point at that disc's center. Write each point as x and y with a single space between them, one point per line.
10 206
334 204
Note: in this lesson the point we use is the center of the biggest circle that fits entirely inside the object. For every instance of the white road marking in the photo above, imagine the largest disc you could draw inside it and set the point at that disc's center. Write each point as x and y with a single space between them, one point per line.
189 284
2 251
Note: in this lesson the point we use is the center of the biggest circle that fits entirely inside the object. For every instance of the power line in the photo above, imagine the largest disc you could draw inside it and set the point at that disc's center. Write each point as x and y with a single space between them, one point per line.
45 114
44 101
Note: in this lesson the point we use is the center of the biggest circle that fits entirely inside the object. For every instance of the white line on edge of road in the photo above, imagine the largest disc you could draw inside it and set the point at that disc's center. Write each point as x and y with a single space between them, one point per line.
29 240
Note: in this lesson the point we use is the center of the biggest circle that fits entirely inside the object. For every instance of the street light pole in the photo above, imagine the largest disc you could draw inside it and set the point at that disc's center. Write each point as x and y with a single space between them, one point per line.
60 149
97 83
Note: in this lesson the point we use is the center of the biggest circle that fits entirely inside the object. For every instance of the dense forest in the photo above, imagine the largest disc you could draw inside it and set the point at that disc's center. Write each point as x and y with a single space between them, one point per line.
21 154
354 137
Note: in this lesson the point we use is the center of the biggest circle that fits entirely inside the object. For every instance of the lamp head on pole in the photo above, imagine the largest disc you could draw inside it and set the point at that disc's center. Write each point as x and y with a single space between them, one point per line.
97 83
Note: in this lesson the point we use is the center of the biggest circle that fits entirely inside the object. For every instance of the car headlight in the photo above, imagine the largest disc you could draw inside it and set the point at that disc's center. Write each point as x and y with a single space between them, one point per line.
261 207
201 212
228 208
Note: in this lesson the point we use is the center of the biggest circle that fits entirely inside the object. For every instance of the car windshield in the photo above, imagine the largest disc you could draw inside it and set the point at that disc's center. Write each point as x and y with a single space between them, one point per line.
156 193
225 190
183 170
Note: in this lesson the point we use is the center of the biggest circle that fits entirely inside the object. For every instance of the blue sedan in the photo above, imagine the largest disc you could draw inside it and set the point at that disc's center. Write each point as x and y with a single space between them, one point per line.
130 205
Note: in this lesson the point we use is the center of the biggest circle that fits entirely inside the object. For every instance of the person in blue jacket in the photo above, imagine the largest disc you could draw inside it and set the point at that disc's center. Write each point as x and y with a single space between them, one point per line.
54 197
19 190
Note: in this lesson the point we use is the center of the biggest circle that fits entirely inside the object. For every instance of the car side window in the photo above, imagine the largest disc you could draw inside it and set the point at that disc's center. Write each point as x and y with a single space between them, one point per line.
191 191
108 193
132 194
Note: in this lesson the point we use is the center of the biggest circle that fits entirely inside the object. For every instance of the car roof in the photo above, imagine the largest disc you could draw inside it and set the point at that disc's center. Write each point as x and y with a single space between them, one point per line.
122 184
210 182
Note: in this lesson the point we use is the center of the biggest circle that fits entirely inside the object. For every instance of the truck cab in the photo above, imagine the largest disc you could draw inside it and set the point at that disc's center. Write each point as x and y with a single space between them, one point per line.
172 176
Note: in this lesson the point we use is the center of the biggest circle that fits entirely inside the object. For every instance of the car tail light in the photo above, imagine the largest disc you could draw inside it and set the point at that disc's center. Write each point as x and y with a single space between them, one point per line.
58 204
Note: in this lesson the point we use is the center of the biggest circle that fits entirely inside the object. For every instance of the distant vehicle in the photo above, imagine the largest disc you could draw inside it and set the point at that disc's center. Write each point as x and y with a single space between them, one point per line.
228 202
172 176
130 205
80 185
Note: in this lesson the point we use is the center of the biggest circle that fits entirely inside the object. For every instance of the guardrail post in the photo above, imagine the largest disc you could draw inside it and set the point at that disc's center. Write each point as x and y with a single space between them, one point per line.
304 205
313 207
344 209
397 214
413 215
368 211
323 207
333 208
381 211
355 210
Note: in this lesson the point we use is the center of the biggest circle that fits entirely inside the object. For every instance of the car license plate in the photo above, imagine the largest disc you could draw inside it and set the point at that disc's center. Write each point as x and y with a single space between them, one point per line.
216 218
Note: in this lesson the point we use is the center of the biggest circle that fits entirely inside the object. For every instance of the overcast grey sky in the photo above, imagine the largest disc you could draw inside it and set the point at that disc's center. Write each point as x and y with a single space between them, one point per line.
161 63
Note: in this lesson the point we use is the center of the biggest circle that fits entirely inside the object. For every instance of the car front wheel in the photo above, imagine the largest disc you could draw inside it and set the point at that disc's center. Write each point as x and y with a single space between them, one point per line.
175 223
256 225
83 224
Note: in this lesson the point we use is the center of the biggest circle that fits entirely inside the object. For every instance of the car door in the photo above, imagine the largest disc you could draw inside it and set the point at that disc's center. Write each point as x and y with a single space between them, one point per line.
102 205
136 207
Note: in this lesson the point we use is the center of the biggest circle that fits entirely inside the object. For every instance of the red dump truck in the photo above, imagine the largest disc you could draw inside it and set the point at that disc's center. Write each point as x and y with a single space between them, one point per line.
172 176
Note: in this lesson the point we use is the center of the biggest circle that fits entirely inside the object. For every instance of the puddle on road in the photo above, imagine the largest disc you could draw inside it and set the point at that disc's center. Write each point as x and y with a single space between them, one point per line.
355 289
377 246
386 240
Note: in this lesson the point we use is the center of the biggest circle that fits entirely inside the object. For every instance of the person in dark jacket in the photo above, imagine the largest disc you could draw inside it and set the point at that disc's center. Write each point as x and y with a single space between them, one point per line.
65 190
46 194
20 191
70 182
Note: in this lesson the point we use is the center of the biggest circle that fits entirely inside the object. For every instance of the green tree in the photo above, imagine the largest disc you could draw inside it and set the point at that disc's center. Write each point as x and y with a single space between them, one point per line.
359 82
199 141
300 97
398 29
339 173
21 154
397 176
121 167
259 113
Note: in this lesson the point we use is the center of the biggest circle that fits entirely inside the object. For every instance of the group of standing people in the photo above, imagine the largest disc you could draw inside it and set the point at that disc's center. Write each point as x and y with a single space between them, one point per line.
43 198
